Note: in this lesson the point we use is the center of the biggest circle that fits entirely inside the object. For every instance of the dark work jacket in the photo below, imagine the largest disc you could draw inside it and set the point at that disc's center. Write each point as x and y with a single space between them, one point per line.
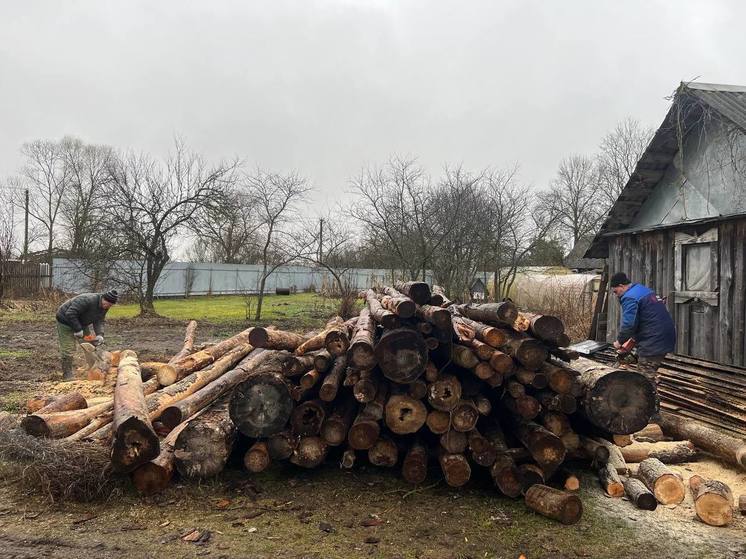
645 318
80 311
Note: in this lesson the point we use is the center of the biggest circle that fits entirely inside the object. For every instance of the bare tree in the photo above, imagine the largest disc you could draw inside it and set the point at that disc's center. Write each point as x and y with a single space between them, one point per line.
275 197
225 228
620 150
150 203
397 210
7 243
84 205
573 198
47 178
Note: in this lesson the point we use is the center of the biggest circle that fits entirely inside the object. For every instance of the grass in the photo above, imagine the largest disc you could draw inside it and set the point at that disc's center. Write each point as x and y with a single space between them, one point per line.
301 309
13 402
14 353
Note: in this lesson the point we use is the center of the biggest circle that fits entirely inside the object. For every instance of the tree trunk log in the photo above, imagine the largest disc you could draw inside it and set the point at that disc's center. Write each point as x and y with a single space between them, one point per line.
437 316
175 413
418 291
490 335
616 458
456 469
546 328
616 400
651 433
464 357
610 481
323 361
568 480
261 405
439 298
506 476
527 351
364 431
533 379
561 379
713 500
337 424
404 414
547 449
502 313
282 445
333 380
464 416
66 402
297 365
530 474
398 303
310 453
310 379
665 485
135 441
556 423
201 359
402 355
638 494
307 418
202 448
414 467
444 393
270 338
417 389
728 448
673 452
318 341
454 442
366 386
384 453
555 504
188 346
481 450
257 458
361 353
154 476
384 317
438 421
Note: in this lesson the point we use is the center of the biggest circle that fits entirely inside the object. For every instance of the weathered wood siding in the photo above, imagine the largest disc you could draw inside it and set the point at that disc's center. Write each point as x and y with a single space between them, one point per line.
716 333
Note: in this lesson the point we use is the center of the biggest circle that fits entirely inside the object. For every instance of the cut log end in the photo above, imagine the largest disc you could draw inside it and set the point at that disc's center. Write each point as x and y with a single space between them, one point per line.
553 503
135 443
621 402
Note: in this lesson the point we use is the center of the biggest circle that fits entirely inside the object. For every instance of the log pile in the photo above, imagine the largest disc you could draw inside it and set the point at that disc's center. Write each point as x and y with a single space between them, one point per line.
414 382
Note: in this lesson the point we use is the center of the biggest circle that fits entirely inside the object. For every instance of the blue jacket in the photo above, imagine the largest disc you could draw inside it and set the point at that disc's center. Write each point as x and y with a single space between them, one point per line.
645 318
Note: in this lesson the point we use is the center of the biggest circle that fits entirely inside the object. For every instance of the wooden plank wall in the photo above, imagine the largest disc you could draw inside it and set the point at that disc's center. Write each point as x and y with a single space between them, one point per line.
715 333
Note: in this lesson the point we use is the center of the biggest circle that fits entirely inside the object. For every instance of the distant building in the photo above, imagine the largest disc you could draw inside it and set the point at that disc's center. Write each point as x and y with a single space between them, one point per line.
478 290
575 259
679 225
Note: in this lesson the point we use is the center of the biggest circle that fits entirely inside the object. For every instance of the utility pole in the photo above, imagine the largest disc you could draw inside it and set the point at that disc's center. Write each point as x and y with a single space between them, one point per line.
25 228
320 254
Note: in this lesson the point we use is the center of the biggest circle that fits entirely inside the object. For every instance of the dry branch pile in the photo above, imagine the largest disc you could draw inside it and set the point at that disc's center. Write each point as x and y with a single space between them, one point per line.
413 382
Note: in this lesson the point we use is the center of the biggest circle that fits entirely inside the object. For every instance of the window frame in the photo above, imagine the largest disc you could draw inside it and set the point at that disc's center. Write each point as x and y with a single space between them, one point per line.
682 295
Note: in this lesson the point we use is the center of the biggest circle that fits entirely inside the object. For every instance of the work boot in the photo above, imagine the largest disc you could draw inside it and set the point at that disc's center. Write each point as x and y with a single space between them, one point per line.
67 368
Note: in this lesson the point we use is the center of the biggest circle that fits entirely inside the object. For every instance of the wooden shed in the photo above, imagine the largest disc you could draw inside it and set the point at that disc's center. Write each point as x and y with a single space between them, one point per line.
679 225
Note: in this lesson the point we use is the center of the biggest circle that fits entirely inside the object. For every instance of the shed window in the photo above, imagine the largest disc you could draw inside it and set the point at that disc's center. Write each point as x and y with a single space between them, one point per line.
697 267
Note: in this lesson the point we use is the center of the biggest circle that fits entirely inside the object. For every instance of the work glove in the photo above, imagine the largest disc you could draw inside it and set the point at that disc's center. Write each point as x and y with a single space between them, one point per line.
98 340
79 334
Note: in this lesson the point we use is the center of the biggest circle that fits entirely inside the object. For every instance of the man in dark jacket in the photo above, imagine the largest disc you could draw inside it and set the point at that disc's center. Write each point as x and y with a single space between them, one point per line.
87 310
645 319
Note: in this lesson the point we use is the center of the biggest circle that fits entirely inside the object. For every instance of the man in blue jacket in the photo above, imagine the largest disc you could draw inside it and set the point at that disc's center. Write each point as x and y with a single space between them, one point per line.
74 315
645 319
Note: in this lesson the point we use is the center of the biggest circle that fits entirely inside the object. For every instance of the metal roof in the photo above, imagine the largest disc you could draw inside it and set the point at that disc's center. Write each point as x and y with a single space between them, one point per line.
729 101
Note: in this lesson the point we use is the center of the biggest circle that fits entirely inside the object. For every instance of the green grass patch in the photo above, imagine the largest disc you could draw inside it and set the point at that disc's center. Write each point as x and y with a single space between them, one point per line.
13 402
14 353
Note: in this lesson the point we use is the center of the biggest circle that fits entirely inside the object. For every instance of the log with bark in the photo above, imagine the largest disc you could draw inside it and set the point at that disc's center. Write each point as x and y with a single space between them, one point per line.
257 458
437 316
361 354
404 415
306 418
547 328
418 291
365 429
728 448
337 423
402 355
555 504
271 338
501 313
527 351
310 452
333 380
195 361
638 494
398 303
382 316
414 466
444 393
384 453
611 483
188 346
713 500
334 327
494 337
662 482
439 298
202 448
651 433
455 468
619 401
668 452
134 440
65 402
545 448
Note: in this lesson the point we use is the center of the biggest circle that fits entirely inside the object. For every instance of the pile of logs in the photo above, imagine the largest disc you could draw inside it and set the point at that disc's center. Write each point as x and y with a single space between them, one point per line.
414 381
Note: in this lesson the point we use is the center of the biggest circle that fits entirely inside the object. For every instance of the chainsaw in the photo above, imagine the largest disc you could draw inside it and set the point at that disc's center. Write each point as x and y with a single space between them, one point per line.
96 358
624 355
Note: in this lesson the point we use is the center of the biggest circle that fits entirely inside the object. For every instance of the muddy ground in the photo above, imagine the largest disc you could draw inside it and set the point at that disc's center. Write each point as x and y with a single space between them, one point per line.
294 513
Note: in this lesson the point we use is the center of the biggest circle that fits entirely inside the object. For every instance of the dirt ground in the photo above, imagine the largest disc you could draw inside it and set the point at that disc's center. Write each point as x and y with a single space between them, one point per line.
294 513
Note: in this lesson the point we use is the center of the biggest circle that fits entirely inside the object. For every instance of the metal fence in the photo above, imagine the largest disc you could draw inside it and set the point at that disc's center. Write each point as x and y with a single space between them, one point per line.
182 279
23 279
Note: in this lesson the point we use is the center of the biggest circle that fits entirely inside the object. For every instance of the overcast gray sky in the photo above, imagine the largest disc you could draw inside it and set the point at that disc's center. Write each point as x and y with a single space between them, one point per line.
324 87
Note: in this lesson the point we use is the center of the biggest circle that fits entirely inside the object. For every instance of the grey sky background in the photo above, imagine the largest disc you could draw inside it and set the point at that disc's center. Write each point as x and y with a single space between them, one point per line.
325 87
